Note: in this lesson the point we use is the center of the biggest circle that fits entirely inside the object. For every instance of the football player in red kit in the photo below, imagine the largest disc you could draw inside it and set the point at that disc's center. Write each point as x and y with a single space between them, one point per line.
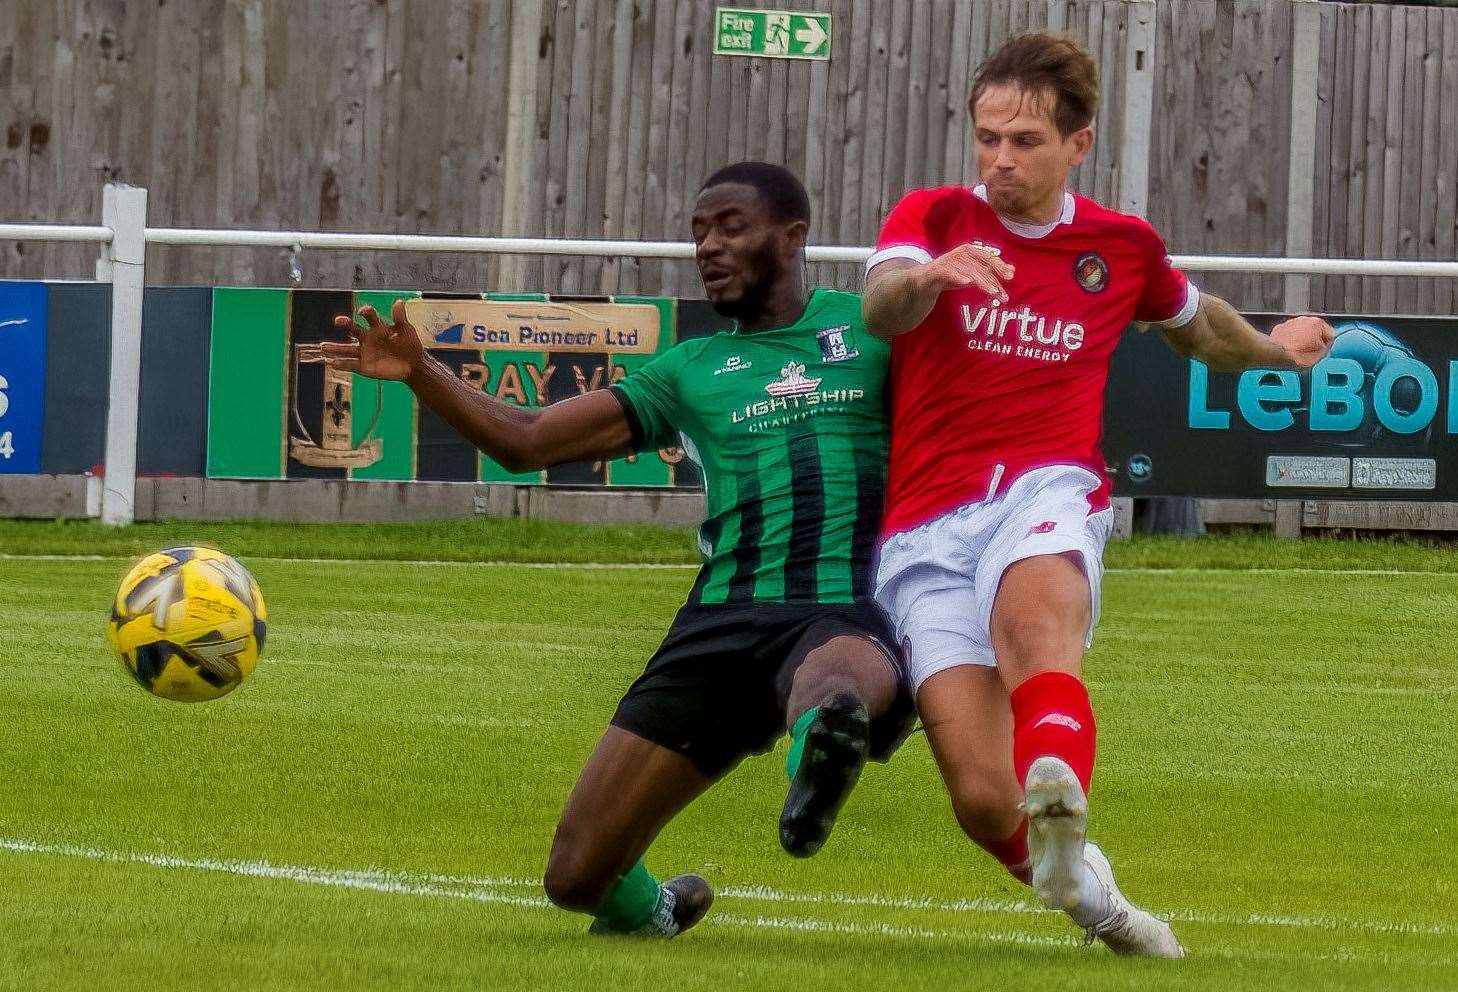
1004 303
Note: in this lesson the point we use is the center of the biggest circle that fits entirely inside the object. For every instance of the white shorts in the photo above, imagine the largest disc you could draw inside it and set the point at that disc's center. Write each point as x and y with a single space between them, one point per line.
938 582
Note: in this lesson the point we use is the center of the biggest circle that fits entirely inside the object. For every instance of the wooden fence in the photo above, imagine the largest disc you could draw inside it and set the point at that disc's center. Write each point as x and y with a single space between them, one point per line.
599 118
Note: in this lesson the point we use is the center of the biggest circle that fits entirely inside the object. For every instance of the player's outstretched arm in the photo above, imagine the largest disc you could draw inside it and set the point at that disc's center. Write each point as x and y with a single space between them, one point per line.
901 292
1224 340
583 428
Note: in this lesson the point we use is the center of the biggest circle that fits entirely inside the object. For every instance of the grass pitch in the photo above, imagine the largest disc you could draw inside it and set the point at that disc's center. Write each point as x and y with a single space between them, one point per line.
373 809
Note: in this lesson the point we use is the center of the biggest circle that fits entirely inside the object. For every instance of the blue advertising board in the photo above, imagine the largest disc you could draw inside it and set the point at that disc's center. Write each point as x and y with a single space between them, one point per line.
1376 419
22 375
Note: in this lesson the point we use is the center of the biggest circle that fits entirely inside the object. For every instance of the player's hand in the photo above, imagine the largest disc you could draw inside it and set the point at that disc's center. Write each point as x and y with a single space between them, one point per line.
967 266
1305 339
381 349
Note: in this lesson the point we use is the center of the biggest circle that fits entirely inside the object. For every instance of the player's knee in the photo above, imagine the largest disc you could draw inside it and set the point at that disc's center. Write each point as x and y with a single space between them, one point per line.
573 882
1042 634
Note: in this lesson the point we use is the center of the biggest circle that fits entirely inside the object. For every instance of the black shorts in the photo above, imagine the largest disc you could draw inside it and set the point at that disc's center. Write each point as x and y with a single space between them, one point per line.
717 689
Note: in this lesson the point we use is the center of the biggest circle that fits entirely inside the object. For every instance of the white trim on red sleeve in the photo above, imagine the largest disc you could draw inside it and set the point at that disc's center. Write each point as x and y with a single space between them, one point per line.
1186 312
914 252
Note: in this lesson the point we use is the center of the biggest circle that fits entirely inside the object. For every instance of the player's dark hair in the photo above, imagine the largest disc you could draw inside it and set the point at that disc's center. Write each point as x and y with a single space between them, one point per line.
781 188
1045 62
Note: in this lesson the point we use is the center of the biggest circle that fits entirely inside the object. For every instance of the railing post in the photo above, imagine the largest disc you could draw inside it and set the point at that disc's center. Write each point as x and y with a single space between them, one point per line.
1134 143
124 210
521 115
1300 187
1301 158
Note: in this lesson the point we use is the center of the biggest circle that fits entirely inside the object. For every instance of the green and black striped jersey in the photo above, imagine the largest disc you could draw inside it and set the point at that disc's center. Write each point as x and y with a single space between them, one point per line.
790 428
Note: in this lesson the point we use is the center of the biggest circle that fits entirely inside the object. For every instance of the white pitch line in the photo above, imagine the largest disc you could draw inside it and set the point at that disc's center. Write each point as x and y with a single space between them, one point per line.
449 887
651 566
548 565
766 894
467 886
1193 570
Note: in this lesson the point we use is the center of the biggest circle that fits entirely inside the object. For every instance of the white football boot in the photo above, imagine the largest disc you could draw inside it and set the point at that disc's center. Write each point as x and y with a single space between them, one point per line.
1076 877
1057 813
1127 929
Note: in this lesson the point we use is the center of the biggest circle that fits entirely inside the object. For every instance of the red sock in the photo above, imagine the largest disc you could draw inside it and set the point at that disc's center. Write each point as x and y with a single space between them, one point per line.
1052 716
1013 853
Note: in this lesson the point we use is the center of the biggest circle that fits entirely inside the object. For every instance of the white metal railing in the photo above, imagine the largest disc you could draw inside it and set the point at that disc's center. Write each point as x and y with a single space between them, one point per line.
55 232
123 236
342 241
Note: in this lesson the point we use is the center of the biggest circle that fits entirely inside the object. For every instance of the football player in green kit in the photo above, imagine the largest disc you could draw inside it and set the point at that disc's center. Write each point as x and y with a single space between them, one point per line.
786 416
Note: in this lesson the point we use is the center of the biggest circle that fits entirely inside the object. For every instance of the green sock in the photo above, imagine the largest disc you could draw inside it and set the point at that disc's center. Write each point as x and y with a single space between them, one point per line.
630 903
797 740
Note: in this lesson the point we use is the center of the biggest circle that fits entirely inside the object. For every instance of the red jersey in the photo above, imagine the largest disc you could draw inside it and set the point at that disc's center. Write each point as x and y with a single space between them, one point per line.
981 392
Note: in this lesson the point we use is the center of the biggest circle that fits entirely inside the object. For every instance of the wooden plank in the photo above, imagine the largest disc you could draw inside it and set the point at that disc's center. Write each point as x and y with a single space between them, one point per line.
829 207
721 106
774 124
1329 180
577 177
614 44
394 53
1419 200
875 124
682 86
658 112
740 71
66 108
639 122
1445 298
1360 19
45 131
1412 198
853 148
1381 40
940 109
756 110
897 131
1278 30
1191 203
1164 133
1384 515
1110 55
1246 128
559 36
333 75
803 123
341 150
999 25
706 103
489 66
372 74
959 86
805 114
1089 31
1432 60
614 144
1056 16
72 89
532 152
15 113
249 169
925 97
1032 16
1392 153
978 34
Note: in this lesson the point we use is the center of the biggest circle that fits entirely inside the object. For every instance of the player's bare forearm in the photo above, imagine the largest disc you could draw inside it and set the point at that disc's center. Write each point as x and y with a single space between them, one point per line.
1224 340
900 292
587 427
896 300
